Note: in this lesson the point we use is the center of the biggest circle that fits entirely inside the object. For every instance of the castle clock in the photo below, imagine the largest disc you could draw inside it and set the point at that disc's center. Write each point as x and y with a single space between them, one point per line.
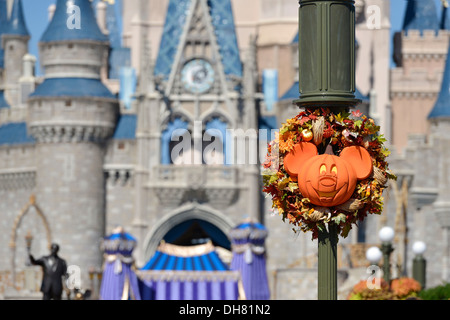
197 76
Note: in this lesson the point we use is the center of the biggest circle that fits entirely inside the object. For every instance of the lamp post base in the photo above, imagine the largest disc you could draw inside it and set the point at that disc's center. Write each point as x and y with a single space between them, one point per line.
419 270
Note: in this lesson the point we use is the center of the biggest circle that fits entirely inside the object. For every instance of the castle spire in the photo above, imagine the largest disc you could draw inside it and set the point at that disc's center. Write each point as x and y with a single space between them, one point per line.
112 24
14 40
421 15
3 12
16 23
73 20
73 27
3 27
224 29
441 108
445 23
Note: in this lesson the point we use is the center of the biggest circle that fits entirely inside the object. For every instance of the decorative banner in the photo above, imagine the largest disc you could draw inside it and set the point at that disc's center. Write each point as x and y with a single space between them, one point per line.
327 168
128 82
270 87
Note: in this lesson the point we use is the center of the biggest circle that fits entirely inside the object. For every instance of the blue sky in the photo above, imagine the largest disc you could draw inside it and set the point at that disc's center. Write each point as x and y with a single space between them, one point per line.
398 8
36 13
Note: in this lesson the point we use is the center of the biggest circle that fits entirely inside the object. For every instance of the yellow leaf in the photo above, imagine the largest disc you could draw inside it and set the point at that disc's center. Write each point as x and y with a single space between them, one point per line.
283 183
368 191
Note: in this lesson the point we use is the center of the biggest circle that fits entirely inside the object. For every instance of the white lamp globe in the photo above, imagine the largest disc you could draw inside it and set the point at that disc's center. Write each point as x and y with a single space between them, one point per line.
419 247
373 254
386 234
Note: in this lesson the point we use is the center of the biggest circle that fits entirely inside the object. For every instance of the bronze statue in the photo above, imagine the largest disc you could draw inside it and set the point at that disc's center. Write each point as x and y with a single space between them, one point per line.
54 269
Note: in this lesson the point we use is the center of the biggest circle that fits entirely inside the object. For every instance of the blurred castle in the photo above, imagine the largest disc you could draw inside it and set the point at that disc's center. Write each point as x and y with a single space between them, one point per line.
88 146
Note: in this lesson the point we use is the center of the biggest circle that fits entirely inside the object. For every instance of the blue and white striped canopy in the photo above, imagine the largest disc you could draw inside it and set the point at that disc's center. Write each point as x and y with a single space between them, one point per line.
177 258
188 273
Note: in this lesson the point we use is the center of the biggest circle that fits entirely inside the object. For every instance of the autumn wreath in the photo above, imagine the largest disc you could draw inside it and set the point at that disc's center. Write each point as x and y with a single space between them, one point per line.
310 147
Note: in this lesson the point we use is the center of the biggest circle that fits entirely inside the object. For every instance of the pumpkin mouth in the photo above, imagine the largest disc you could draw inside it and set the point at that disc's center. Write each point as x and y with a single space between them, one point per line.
327 194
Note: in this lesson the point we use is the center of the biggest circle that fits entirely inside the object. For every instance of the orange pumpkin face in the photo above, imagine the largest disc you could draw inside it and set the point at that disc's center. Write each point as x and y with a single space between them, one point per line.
327 180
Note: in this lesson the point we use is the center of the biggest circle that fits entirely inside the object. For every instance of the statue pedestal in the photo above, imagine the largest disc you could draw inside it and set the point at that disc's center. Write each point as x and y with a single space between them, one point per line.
14 294
27 286
30 280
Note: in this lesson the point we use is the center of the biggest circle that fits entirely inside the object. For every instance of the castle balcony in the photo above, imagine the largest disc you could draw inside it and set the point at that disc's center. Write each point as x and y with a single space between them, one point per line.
17 178
217 185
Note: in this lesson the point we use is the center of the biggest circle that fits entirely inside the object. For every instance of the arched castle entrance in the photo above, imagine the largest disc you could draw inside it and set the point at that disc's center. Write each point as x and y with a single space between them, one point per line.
190 222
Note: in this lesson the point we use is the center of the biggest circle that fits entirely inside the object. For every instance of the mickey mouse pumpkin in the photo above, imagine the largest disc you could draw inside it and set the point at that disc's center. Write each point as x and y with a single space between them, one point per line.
327 180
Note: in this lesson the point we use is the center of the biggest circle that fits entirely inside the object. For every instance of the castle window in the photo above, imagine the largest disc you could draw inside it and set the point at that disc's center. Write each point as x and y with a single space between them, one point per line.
68 103
213 147
121 146
11 48
70 45
178 146
215 142
168 141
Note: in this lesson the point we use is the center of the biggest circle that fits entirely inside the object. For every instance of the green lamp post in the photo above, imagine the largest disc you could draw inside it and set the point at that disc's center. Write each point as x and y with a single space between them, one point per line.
419 263
327 53
327 264
386 235
327 79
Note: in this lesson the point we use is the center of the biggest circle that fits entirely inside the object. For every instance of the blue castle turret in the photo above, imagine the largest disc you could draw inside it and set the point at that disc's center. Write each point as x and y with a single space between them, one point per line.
421 15
15 37
441 108
74 29
72 115
16 22
78 24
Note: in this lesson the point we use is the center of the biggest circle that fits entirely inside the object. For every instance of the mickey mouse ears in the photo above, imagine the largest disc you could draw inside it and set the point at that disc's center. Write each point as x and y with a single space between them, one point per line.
360 160
297 157
358 156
